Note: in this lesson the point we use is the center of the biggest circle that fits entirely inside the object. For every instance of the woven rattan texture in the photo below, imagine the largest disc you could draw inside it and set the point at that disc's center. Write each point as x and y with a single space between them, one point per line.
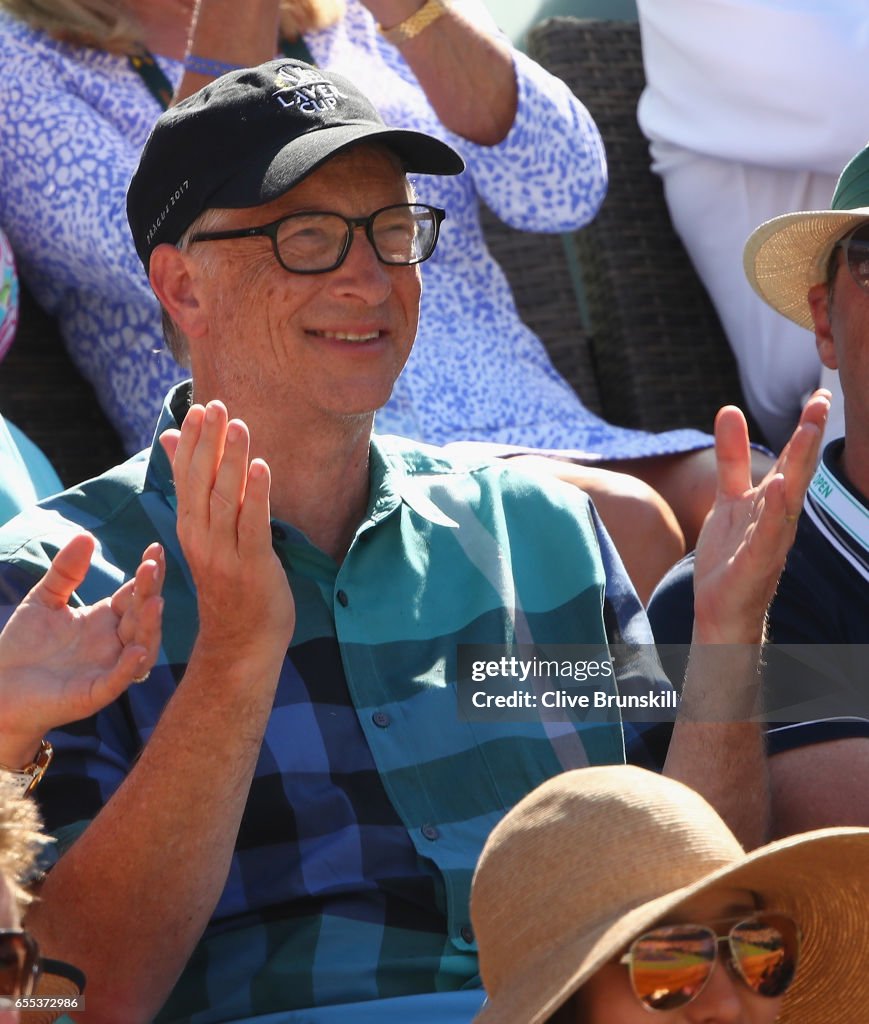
661 357
43 393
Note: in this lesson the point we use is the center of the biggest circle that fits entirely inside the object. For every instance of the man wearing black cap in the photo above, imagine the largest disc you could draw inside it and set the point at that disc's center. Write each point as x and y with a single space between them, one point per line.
282 822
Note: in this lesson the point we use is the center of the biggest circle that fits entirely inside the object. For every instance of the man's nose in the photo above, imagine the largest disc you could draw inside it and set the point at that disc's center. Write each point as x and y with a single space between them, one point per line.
362 273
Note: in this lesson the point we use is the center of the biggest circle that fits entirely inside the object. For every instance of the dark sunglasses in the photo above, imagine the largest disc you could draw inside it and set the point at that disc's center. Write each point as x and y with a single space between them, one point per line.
670 966
20 965
855 245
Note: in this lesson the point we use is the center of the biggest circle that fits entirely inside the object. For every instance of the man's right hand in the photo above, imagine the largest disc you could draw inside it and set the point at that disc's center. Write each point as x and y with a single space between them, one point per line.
245 603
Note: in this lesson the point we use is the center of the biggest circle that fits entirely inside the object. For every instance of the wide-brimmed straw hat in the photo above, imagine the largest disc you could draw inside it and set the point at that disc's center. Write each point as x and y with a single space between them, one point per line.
785 256
594 857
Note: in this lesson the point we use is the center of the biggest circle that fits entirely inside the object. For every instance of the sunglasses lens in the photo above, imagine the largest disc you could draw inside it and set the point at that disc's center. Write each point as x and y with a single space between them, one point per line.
19 957
765 950
857 253
670 965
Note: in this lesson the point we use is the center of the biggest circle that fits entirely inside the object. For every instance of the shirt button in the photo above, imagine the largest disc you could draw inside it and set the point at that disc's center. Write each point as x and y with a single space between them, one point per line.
278 532
380 719
343 599
467 933
430 832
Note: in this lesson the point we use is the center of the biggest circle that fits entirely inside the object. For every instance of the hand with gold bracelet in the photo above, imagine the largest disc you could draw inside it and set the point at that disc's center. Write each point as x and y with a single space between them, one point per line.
465 70
59 663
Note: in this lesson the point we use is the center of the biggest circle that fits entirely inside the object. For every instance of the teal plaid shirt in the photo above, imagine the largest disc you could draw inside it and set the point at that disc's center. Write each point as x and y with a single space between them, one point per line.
372 798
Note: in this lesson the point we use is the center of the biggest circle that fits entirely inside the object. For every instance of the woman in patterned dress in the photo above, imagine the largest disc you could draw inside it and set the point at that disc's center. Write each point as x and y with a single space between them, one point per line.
78 107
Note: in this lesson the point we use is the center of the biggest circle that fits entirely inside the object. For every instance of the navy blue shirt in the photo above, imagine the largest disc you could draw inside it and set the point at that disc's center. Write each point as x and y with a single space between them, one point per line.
818 620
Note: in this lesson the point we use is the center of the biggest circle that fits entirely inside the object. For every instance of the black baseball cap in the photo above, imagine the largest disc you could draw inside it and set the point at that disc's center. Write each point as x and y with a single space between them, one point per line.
250 136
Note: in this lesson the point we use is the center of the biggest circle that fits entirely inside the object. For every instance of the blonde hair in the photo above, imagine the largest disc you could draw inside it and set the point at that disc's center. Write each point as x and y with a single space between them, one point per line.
20 839
101 24
105 25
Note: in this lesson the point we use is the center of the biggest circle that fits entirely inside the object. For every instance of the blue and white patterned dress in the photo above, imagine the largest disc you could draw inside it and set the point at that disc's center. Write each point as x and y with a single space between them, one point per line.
74 121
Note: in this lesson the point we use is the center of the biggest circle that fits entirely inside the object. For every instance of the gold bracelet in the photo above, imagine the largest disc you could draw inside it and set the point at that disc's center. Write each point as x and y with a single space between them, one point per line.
24 780
429 13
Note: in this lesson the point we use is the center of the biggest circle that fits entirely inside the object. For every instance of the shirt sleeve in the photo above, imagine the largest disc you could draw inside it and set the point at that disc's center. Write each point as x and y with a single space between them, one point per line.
647 728
549 173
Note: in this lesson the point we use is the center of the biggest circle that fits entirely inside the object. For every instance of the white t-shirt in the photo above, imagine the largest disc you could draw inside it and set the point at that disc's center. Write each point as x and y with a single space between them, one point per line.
779 83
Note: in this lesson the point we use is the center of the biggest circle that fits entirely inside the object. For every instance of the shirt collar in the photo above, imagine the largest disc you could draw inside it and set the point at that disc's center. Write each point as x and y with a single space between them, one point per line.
393 483
838 511
392 480
175 407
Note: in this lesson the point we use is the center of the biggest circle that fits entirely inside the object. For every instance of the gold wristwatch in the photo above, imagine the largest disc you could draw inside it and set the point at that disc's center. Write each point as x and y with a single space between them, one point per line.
25 779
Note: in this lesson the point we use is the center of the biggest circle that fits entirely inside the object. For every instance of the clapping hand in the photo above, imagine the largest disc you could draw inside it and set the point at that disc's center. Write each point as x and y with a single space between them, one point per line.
224 527
747 535
59 663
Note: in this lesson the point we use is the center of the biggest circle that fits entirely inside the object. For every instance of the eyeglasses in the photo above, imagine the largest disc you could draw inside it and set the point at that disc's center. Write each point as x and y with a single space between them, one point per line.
671 965
855 245
317 242
20 965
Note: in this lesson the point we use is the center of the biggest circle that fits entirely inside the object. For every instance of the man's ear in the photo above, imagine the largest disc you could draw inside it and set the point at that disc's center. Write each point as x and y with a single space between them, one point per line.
175 286
819 302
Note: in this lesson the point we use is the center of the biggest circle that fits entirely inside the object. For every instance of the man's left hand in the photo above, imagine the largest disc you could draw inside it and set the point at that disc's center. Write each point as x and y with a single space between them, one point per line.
747 535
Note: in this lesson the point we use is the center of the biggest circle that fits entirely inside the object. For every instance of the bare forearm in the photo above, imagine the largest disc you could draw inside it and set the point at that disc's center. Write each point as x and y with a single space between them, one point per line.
226 32
130 899
718 746
821 785
466 73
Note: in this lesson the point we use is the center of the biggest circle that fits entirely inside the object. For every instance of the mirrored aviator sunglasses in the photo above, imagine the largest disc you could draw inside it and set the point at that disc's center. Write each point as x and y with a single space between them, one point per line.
671 965
855 245
19 966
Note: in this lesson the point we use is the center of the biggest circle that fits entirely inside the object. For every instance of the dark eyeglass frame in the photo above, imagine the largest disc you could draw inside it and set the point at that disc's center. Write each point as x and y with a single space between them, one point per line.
785 925
844 244
26 948
271 229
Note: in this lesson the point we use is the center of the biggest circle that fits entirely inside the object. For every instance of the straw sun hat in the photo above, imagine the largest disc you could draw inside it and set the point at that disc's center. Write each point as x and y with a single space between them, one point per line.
784 257
594 857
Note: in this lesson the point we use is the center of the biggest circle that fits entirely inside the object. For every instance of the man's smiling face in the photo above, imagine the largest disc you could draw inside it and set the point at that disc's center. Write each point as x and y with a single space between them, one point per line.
335 341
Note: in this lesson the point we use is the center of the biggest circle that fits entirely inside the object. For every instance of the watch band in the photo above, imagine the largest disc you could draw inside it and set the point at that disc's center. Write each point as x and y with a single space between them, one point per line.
25 779
430 11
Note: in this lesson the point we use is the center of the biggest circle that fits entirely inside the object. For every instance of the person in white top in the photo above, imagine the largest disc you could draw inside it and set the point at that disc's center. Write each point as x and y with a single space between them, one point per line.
748 113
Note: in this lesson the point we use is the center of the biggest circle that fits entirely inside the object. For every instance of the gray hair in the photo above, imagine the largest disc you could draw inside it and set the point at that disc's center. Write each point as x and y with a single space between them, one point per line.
176 341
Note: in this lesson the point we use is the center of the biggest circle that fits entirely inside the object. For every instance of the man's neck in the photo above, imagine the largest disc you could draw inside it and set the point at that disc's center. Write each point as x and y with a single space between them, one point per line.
854 463
319 469
321 489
